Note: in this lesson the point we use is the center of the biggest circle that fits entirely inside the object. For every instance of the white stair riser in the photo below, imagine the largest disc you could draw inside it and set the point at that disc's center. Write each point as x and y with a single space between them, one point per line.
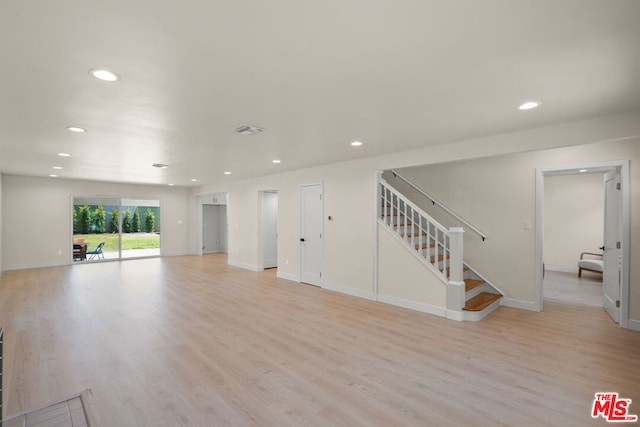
474 316
477 290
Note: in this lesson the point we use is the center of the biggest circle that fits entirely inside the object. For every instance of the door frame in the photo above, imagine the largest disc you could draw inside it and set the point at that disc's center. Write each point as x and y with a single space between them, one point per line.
119 199
604 167
300 187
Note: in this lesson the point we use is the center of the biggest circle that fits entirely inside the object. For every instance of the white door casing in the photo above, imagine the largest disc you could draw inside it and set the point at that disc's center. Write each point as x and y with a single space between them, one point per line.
612 244
624 215
311 234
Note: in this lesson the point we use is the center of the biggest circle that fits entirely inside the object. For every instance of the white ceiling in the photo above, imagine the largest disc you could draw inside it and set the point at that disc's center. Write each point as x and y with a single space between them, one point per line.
396 75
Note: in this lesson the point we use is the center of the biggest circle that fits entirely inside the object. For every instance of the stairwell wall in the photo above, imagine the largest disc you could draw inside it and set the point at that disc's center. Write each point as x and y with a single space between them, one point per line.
405 281
497 195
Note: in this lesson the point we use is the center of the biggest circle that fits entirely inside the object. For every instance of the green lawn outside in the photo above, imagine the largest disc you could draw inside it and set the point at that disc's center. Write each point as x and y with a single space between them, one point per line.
129 241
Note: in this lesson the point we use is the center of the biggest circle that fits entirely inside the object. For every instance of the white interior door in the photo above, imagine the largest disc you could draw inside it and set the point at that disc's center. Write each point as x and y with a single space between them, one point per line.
612 244
311 247
270 230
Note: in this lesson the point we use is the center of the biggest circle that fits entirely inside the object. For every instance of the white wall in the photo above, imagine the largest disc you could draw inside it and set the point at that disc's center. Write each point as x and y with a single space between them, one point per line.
349 198
573 218
1 199
344 199
36 217
349 242
497 195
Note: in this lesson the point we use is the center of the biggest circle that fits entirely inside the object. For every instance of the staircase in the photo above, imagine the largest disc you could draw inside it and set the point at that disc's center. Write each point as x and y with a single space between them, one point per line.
469 295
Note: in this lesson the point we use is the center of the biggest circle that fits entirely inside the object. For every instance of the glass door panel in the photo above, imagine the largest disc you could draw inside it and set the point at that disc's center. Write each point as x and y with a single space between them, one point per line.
140 228
96 234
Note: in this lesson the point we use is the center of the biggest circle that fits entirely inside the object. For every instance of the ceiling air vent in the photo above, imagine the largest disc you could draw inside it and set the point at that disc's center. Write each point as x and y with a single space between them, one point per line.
248 130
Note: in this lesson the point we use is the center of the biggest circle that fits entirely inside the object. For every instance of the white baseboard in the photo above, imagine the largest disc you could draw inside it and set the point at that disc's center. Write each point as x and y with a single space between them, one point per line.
348 291
562 268
177 253
516 303
455 315
413 305
633 324
245 266
29 266
288 276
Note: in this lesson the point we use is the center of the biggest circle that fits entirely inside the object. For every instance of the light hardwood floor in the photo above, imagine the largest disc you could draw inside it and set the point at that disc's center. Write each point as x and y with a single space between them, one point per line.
191 341
568 287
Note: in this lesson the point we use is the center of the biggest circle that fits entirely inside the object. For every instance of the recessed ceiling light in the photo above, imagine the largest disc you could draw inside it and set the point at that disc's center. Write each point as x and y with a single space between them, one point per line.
356 144
170 185
57 168
64 154
529 105
76 129
276 161
104 75
227 173
53 175
582 170
193 180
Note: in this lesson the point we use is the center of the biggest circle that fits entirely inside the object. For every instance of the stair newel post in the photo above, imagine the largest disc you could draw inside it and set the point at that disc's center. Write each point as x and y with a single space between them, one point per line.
455 289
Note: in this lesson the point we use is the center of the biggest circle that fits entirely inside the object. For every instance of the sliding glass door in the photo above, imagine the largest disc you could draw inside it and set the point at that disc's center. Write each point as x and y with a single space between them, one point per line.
140 228
115 228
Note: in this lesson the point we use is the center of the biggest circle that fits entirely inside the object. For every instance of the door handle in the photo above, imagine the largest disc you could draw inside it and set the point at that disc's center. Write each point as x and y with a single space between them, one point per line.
302 239
601 248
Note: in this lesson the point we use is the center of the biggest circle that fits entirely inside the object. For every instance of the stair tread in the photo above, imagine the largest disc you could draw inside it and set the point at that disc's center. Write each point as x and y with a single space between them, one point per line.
440 258
472 283
425 246
480 301
414 234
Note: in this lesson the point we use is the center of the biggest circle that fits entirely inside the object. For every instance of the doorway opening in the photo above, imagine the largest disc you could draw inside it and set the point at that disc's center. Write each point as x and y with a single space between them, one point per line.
573 228
214 224
614 229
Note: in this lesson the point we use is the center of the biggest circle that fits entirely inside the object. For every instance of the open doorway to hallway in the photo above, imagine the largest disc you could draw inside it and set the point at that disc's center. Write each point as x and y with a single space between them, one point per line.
615 234
214 223
566 286
573 225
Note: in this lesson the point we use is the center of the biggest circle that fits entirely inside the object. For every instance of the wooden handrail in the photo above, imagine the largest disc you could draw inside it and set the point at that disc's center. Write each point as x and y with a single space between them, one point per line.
440 205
